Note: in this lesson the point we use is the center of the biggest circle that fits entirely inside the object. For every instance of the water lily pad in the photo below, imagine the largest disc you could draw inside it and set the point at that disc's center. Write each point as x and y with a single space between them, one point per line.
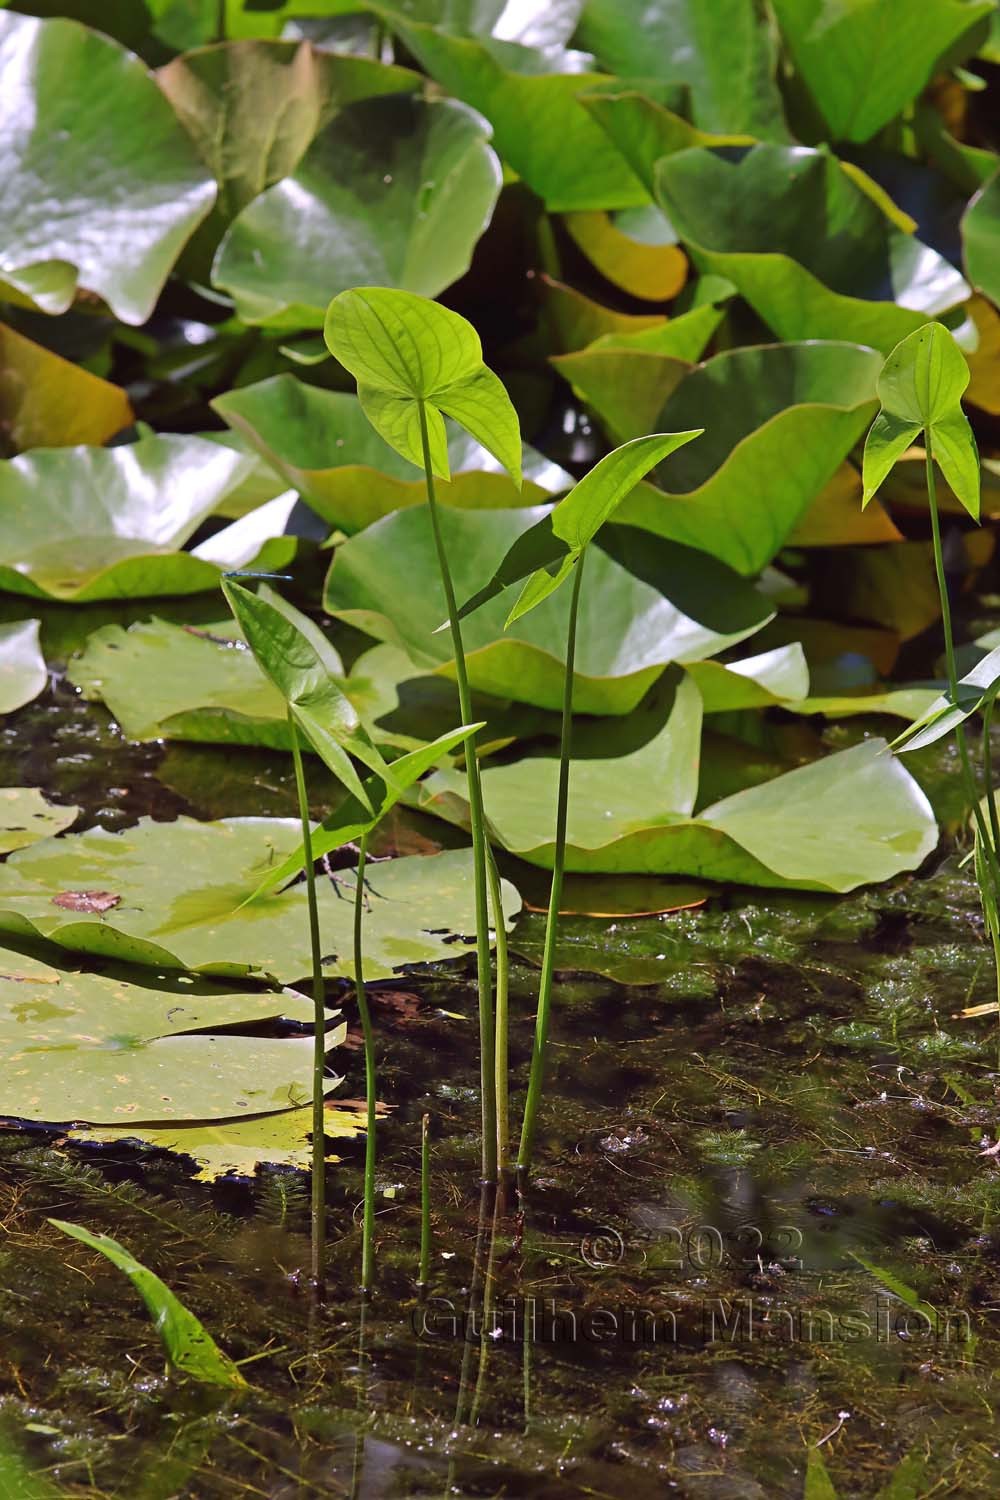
89 202
779 419
724 56
635 250
863 63
22 667
326 448
105 523
644 128
222 1148
539 126
644 603
750 216
26 817
394 192
849 819
774 677
47 401
217 92
182 886
981 239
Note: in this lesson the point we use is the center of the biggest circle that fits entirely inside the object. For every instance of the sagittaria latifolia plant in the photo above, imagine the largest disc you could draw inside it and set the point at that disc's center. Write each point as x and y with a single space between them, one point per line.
545 557
920 389
295 655
416 363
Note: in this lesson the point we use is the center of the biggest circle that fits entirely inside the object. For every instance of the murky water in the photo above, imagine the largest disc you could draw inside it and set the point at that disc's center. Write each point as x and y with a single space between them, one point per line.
762 1118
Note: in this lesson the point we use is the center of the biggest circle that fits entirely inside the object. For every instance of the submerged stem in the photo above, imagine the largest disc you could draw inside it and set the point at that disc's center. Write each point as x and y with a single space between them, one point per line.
536 1078
478 824
319 1021
367 1031
501 1059
425 1203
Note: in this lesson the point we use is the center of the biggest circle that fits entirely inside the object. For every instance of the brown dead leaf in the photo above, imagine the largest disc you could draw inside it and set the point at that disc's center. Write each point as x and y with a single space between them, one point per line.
88 901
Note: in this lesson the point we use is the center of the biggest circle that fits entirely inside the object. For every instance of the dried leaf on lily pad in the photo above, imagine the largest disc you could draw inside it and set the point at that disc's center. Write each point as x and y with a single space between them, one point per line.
129 1044
26 817
222 1148
183 885
843 821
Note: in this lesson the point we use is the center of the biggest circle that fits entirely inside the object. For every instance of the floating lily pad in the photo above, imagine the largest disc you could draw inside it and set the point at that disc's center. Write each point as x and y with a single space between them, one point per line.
779 419
326 448
217 91
849 819
182 886
863 64
644 128
394 192
22 666
644 603
47 401
26 817
775 677
724 56
222 1148
981 239
750 216
105 523
90 202
539 126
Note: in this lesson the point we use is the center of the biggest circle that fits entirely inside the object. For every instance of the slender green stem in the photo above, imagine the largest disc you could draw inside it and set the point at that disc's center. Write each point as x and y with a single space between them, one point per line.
319 1022
367 1031
425 1203
501 1050
988 773
968 780
478 823
537 1076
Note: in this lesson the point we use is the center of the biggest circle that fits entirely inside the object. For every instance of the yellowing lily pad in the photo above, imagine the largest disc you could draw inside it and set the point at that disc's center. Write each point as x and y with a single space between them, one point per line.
182 886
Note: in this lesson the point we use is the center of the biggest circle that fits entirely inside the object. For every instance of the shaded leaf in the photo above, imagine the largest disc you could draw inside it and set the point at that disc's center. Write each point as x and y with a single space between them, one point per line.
48 402
88 202
819 1485
188 1344
645 128
23 674
981 239
184 884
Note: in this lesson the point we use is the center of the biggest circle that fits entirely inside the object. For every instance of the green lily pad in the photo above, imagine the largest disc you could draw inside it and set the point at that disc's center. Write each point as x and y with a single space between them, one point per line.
981 239
779 419
26 817
222 1148
47 401
23 673
323 445
775 677
200 683
106 523
394 192
863 64
179 890
751 216
847 820
724 55
540 128
217 93
90 202
644 128
644 603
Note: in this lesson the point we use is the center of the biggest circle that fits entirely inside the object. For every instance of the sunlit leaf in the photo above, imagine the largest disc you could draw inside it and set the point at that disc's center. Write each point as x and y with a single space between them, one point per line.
26 816
88 201
23 674
977 688
635 250
187 1342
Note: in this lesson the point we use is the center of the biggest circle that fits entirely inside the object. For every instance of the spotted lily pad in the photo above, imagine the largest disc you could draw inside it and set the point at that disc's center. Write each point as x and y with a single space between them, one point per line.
644 603
105 523
22 666
324 446
26 817
183 884
851 818
89 201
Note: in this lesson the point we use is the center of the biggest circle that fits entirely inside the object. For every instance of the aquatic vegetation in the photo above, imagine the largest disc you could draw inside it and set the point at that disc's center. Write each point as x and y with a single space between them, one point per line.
22 666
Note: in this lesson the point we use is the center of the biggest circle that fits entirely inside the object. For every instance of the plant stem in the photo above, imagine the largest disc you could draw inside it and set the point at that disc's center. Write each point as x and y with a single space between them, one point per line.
368 1224
968 780
478 823
991 806
536 1079
425 1203
501 1057
319 1022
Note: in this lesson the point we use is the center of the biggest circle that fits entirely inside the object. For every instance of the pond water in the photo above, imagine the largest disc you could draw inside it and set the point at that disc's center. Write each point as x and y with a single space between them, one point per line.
763 1138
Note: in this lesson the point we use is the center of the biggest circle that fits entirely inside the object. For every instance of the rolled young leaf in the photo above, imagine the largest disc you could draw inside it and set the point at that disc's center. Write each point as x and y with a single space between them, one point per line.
975 690
406 351
296 656
920 388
